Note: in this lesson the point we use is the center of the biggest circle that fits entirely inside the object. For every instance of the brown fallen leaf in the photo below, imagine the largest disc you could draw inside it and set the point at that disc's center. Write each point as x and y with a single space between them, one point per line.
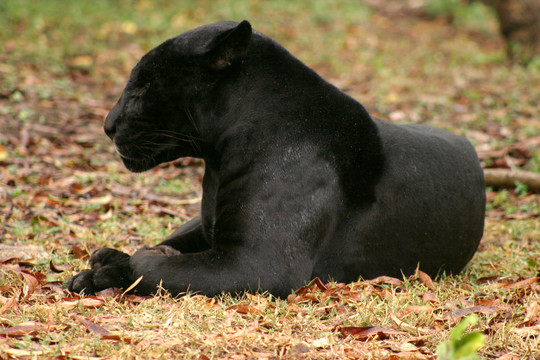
21 252
321 343
109 293
459 303
117 338
488 302
403 347
211 303
161 210
298 350
291 298
302 292
487 279
295 309
80 253
32 282
523 284
23 353
386 280
139 299
245 309
429 297
532 313
10 303
87 302
367 332
330 291
425 279
417 309
56 268
56 288
26 328
41 277
93 327
410 328
478 309
318 283
102 200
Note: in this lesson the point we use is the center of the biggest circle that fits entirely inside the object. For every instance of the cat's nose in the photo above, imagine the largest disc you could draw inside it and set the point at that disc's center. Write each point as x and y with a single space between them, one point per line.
109 128
110 122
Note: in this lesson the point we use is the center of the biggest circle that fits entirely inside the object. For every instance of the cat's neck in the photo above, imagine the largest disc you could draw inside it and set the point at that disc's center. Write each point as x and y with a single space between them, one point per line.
274 93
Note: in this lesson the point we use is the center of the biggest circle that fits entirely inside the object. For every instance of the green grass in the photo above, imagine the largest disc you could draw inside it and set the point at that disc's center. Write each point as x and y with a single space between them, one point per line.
64 65
60 42
472 14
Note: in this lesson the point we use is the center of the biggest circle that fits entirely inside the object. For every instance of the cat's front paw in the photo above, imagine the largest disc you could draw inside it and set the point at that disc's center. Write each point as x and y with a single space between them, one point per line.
82 282
109 268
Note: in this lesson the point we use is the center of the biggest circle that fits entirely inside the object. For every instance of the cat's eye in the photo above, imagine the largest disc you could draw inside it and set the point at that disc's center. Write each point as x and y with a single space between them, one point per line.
140 91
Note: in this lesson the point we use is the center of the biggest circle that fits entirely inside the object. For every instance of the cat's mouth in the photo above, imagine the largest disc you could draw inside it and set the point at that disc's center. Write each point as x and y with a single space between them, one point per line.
136 162
139 155
124 154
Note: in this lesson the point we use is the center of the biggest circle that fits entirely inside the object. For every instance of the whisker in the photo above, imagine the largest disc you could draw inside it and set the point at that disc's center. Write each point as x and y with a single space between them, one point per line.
173 137
171 133
159 141
192 120
152 145
196 147
139 148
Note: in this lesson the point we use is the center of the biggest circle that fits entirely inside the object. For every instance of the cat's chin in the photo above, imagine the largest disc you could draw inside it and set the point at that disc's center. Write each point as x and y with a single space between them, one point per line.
147 163
138 165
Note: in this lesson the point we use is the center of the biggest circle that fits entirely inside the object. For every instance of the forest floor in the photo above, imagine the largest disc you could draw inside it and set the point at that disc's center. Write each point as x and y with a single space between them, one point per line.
65 193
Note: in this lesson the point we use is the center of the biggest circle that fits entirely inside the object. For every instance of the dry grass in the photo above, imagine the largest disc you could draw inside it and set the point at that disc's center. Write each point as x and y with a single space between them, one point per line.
376 319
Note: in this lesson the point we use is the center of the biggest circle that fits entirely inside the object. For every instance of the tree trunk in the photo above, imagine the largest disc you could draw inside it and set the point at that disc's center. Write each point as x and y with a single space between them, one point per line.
519 22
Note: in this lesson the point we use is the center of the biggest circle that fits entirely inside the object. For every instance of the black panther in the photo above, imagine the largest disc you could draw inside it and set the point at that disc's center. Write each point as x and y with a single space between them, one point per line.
300 181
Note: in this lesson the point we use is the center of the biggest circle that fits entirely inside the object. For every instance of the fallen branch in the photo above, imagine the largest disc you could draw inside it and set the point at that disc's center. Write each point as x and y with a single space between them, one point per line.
507 178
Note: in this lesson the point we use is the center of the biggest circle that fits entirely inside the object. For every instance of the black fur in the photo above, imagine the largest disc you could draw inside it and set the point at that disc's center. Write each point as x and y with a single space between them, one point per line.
300 180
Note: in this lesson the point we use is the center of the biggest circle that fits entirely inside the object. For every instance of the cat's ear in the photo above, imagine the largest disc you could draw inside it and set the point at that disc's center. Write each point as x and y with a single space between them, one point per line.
230 46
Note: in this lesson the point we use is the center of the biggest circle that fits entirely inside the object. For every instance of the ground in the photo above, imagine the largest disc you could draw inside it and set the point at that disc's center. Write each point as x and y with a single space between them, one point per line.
64 192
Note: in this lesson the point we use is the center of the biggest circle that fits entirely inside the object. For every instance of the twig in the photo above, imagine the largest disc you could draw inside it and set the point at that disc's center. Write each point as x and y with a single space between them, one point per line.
507 178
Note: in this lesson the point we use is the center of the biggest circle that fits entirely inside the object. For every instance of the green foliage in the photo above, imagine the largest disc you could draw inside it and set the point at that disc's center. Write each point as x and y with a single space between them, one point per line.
443 7
521 188
463 13
461 346
86 26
